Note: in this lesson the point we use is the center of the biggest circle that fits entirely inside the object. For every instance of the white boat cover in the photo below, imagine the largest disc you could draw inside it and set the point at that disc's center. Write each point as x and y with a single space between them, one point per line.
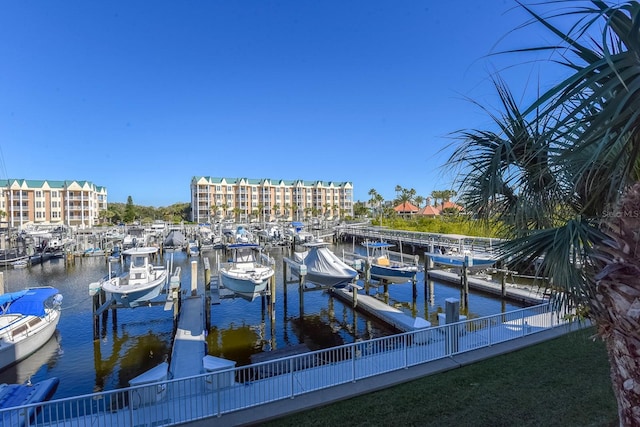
175 239
322 260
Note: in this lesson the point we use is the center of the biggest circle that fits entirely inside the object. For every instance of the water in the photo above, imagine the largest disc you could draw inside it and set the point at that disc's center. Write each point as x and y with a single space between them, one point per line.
141 337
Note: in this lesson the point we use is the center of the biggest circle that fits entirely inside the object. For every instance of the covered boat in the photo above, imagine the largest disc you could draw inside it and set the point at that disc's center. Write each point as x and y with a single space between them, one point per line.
323 266
28 319
174 240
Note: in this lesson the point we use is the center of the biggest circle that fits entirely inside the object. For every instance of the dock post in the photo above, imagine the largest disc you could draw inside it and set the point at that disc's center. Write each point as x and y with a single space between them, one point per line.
354 289
367 275
428 265
465 286
114 310
284 272
194 278
1 283
301 295
503 284
96 318
272 299
207 274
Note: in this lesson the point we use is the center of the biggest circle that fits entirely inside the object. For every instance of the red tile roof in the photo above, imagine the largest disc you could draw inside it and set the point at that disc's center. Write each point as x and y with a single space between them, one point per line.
406 207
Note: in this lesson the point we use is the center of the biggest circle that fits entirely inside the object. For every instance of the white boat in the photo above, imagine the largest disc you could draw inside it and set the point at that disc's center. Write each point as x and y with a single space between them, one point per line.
193 248
93 252
384 268
323 266
21 263
142 282
245 275
28 319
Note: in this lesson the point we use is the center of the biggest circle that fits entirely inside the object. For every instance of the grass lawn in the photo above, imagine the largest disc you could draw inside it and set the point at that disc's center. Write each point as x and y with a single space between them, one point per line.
562 382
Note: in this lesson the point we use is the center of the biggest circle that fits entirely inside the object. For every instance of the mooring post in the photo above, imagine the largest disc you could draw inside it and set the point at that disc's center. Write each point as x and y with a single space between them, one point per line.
194 278
465 286
503 284
367 275
96 318
272 298
207 275
354 289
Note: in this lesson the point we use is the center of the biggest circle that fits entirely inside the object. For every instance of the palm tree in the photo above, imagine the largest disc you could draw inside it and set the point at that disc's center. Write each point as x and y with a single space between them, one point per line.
564 178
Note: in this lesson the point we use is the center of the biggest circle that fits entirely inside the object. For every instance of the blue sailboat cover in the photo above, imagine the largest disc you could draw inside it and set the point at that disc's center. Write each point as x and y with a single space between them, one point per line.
27 302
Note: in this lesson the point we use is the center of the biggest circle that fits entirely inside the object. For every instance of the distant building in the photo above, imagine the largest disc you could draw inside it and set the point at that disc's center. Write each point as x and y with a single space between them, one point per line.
71 203
406 209
434 211
268 199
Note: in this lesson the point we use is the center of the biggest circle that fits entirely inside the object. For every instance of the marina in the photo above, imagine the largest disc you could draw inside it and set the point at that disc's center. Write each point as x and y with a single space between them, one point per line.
139 339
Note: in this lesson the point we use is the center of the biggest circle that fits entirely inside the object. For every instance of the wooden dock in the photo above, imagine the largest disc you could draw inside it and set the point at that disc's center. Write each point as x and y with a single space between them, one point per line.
522 294
378 309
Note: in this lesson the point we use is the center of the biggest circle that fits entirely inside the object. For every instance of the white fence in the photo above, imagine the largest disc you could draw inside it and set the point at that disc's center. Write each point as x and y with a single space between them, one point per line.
221 392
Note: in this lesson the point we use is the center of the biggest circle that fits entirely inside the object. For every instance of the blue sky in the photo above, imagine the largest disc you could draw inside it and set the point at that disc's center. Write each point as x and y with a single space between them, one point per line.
140 96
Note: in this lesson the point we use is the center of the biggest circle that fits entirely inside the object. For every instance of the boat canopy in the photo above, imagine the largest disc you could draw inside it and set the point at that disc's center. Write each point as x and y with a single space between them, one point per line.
29 302
322 260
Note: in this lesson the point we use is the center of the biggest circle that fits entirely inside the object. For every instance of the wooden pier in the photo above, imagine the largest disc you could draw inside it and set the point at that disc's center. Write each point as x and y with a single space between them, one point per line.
378 309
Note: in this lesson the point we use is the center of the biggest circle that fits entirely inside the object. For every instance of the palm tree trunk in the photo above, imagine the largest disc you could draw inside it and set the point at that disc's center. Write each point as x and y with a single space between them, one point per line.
617 305
623 351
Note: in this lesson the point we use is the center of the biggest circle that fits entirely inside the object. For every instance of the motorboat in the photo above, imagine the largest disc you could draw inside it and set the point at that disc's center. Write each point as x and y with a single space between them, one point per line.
382 267
174 240
93 252
21 263
28 319
246 275
142 282
323 266
462 259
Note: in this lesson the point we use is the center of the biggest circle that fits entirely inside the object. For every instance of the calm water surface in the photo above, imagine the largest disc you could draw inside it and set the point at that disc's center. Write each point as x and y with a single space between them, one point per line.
140 338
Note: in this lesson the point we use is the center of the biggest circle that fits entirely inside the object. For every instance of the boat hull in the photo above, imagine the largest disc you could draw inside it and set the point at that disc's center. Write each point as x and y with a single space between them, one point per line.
459 261
246 288
392 274
133 296
25 344
329 279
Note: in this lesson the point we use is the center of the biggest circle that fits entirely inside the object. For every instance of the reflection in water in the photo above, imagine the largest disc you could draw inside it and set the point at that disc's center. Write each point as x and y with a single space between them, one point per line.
44 358
236 343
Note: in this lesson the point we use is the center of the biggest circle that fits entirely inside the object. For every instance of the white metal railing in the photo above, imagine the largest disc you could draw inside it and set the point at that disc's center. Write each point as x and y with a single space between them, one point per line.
217 393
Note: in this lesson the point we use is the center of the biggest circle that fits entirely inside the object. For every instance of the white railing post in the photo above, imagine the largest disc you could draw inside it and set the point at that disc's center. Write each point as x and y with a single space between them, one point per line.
405 341
293 383
353 363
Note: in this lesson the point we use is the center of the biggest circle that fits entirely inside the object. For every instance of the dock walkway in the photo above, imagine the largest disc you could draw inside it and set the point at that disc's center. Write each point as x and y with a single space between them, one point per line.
518 293
376 308
189 343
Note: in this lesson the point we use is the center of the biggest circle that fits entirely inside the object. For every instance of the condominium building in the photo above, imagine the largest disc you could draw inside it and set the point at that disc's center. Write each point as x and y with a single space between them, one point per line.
246 199
32 202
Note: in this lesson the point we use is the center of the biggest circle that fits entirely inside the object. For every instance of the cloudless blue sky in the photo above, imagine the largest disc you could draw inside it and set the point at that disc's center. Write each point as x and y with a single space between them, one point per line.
140 96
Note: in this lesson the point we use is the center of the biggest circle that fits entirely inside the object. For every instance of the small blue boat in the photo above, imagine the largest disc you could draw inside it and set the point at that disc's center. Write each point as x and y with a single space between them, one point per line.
384 268
464 259
18 395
